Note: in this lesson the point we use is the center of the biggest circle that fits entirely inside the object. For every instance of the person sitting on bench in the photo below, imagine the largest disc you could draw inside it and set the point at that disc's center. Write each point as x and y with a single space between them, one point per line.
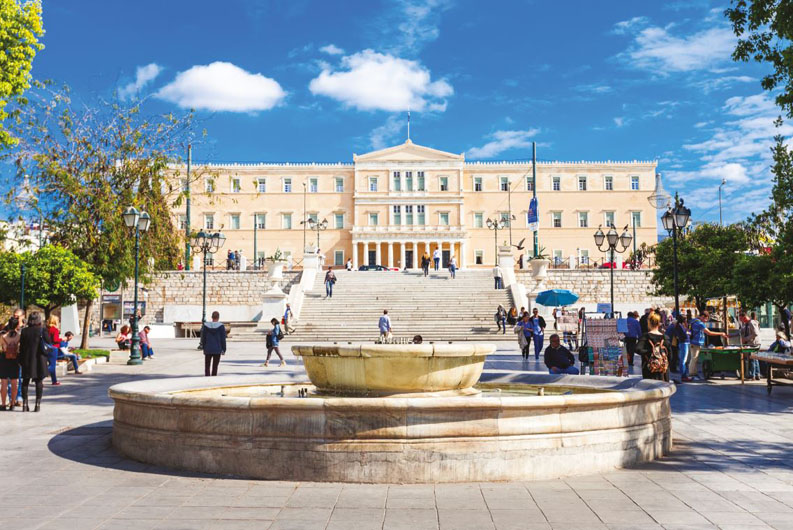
65 352
558 359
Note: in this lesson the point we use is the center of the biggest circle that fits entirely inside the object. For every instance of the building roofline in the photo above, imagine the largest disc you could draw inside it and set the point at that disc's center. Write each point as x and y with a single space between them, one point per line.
349 165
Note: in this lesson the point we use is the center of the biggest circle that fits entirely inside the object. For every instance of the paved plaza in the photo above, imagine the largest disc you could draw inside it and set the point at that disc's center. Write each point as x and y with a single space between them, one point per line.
732 467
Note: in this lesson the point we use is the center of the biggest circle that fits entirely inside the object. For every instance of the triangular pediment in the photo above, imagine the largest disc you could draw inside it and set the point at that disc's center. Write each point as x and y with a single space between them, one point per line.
407 152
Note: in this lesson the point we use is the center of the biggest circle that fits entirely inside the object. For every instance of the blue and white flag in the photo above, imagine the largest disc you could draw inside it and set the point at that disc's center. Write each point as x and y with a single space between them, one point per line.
534 221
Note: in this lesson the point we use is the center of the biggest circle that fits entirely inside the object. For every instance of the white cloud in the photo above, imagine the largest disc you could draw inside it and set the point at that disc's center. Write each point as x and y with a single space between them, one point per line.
384 135
332 49
374 81
503 141
594 88
621 28
143 76
411 24
656 49
722 83
619 121
222 86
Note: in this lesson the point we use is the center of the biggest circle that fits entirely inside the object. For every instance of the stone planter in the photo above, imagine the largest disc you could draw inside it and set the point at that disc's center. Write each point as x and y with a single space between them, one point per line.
539 268
275 269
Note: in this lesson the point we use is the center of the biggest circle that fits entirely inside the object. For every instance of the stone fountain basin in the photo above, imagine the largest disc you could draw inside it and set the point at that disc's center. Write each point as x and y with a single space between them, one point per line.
189 424
388 369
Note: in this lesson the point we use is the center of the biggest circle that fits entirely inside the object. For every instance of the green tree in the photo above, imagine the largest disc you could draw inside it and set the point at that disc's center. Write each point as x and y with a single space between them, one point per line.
704 254
86 165
20 29
54 277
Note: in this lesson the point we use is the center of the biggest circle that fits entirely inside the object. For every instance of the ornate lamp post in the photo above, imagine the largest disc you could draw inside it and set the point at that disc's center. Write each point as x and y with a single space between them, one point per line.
206 243
675 219
318 226
139 221
612 240
496 225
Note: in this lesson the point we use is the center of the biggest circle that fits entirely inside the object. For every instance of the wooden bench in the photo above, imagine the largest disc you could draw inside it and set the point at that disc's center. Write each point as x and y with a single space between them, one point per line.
778 361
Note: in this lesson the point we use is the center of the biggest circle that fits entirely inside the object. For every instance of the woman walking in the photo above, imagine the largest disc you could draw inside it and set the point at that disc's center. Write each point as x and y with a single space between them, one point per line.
330 279
273 338
33 358
501 319
9 362
654 349
55 343
452 266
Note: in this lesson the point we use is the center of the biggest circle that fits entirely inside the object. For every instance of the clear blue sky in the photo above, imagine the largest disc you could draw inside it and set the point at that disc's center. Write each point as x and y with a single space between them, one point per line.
303 80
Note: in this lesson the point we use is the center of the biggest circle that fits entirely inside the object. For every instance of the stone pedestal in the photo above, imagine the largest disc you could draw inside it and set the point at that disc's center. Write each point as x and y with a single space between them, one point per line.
273 304
275 269
507 265
70 320
539 268
243 263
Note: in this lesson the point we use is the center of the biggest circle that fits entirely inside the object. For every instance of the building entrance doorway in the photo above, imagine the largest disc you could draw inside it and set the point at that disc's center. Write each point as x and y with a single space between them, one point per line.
408 260
373 257
445 256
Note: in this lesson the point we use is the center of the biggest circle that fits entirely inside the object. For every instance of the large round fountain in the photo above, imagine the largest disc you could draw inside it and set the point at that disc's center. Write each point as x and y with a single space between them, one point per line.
394 413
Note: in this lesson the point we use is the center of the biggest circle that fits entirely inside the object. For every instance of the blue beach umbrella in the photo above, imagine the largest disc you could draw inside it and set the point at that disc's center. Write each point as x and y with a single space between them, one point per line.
556 297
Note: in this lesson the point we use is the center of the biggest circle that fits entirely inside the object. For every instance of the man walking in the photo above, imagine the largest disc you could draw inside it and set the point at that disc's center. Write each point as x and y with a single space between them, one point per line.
699 329
425 265
436 257
213 341
750 336
385 326
452 267
288 316
497 277
632 336
330 279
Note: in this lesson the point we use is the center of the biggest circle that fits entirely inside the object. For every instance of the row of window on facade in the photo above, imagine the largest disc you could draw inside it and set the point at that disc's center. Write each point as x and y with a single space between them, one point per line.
412 216
505 183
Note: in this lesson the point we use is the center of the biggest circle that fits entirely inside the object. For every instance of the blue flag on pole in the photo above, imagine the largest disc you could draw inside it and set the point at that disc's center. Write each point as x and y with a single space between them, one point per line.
534 221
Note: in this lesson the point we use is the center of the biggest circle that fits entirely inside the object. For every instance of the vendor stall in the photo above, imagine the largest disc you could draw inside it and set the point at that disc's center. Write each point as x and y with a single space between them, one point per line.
725 359
775 361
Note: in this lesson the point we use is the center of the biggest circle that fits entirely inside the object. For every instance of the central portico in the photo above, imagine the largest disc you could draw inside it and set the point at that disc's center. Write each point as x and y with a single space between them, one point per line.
408 202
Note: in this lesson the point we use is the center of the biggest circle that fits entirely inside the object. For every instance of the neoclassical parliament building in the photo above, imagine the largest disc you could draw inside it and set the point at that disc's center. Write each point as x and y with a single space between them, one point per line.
391 206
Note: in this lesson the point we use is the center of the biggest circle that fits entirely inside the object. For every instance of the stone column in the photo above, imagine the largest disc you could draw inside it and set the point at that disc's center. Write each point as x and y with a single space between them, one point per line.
402 254
463 248
377 252
416 258
427 248
354 255
390 254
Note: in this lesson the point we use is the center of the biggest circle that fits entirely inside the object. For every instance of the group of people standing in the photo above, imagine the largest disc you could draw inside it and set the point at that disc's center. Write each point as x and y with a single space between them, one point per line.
436 263
29 351
233 260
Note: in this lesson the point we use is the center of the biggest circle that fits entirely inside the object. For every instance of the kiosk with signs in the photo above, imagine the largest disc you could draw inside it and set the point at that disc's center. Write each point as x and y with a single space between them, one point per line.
111 312
605 352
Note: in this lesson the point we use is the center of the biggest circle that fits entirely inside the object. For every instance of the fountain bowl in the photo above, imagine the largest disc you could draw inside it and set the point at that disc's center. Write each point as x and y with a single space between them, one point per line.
394 369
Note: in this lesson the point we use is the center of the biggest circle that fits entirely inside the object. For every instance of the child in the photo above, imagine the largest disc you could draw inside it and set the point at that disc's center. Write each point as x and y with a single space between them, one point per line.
64 352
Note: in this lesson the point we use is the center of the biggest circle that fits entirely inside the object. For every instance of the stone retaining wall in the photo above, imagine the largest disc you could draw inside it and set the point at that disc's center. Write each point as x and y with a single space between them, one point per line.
593 286
237 288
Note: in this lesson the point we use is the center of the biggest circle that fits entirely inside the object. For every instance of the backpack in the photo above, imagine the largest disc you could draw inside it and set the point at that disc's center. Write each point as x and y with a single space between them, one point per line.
11 345
658 362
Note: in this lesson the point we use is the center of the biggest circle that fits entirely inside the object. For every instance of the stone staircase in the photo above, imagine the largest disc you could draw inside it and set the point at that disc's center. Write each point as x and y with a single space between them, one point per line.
437 307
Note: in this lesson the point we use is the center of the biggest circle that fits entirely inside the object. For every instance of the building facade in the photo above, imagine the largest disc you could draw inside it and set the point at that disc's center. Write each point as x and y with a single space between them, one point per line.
391 206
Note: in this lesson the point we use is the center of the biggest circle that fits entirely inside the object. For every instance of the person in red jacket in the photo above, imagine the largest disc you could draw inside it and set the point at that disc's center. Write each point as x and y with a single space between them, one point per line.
52 358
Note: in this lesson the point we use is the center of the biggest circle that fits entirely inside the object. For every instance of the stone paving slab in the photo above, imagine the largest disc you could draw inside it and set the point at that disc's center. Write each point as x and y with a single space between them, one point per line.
732 467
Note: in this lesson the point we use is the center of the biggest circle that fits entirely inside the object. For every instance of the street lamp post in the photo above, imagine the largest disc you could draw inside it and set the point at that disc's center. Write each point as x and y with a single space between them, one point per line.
674 220
138 221
206 243
496 225
318 226
22 270
612 239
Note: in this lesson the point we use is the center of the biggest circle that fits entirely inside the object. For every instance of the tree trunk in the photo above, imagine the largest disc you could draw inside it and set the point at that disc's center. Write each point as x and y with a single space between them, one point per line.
780 308
86 324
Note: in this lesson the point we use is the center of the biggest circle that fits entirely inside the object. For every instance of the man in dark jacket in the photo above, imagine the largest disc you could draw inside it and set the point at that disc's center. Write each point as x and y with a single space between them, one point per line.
558 359
213 340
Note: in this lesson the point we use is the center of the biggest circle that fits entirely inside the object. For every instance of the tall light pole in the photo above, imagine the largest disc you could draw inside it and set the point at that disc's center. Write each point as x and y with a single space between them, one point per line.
207 243
675 219
318 227
304 215
187 210
612 240
138 221
255 247
496 225
534 194
721 220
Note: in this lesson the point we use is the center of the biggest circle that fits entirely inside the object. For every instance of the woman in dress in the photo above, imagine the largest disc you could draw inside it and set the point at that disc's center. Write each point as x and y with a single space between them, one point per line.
272 342
33 359
654 349
9 362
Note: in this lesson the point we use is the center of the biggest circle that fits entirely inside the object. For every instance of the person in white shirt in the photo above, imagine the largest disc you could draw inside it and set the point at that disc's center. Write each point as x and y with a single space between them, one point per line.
348 265
436 258
497 276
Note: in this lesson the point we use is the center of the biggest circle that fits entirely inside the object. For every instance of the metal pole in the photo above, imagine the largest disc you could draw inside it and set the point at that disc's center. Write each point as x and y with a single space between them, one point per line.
495 245
317 237
22 291
633 222
304 216
204 295
255 248
509 207
674 245
721 220
187 211
134 353
611 266
534 194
